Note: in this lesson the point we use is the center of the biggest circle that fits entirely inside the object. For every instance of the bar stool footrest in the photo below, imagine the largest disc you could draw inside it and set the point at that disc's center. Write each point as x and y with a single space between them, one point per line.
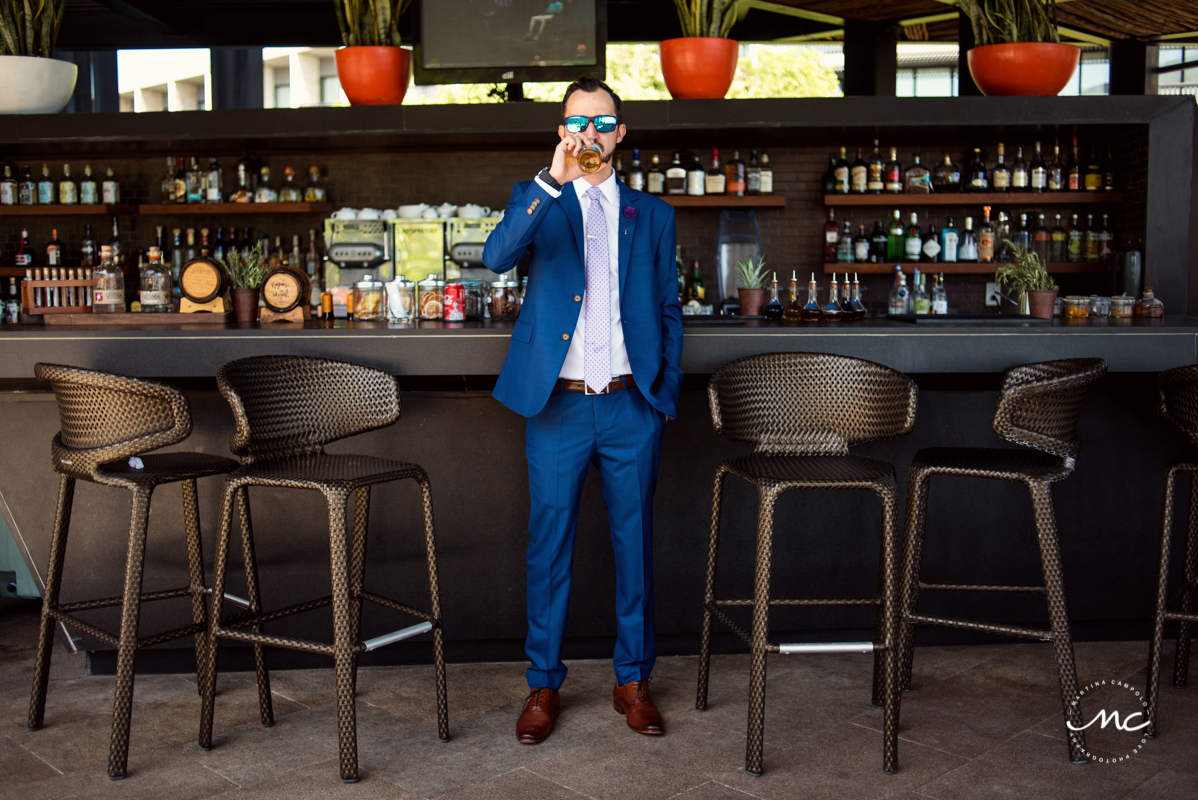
395 605
978 587
109 602
1009 630
245 618
397 636
1181 616
829 647
835 601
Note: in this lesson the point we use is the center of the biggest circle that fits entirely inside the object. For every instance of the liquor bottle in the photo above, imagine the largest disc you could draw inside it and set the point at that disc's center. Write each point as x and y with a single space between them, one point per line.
876 181
276 254
110 189
794 309
13 311
977 179
87 248
832 309
1019 176
773 309
1041 237
290 192
621 175
921 301
156 294
697 290
190 253
912 240
636 175
196 190
1022 235
8 188
1057 176
1000 176
655 179
844 247
312 256
54 250
967 250
296 257
214 180
68 190
905 295
894 173
1106 240
166 188
24 257
218 247
1075 241
950 241
931 246
861 245
265 193
859 175
811 310
715 181
846 300
734 172
896 239
1038 172
1108 174
946 177
986 244
939 296
828 181
831 237
1058 242
753 174
315 192
179 192
26 190
1094 173
243 193
1075 168
680 269
108 293
177 253
1090 240
916 178
858 306
841 173
45 188
696 179
205 244
118 252
879 242
767 174
675 176
88 196
897 301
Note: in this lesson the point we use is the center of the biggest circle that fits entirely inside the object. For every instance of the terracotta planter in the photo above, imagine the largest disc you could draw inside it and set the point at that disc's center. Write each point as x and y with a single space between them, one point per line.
245 304
698 66
1023 68
374 76
1040 304
751 301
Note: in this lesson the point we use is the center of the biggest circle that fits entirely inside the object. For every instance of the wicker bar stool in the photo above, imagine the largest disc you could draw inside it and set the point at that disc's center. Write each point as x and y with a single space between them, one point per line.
1038 407
109 425
1179 405
287 408
801 412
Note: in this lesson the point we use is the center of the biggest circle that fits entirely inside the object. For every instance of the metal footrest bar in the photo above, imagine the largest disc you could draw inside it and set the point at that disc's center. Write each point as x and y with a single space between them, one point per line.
85 627
177 633
234 599
1183 617
109 602
830 647
1009 630
396 606
244 619
979 587
278 641
847 601
397 636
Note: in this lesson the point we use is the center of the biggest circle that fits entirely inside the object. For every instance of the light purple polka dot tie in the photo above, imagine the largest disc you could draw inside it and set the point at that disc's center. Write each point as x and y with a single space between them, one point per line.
597 339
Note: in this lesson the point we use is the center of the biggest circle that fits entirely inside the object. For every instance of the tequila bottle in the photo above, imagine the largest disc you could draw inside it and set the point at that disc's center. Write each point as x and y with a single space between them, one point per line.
315 192
290 193
196 191
243 193
110 189
108 292
45 187
87 187
214 182
68 190
8 188
265 193
156 293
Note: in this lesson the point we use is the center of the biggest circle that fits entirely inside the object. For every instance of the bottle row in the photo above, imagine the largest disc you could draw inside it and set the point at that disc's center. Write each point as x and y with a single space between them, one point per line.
65 191
686 175
1053 173
844 303
921 300
992 241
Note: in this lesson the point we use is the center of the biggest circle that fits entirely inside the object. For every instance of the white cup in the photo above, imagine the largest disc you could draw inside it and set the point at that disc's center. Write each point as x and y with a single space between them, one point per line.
369 213
429 213
446 210
389 213
471 211
345 213
413 211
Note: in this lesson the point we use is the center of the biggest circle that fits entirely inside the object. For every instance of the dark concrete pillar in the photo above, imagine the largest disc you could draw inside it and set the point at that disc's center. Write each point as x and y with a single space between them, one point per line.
96 87
870 58
1132 65
236 77
965 85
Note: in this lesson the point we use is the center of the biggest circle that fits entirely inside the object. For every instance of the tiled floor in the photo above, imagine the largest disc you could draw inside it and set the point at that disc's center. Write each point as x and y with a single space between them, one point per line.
981 722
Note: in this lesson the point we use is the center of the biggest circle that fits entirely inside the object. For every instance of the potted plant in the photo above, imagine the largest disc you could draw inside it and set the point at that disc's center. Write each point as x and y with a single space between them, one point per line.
750 279
372 67
1018 50
703 62
246 273
33 82
1036 289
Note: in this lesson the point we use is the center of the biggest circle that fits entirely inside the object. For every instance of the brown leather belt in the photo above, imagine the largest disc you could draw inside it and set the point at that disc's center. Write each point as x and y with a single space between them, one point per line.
623 382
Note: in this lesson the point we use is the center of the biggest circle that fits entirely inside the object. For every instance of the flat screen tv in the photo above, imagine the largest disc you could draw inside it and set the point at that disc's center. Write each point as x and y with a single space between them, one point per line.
508 41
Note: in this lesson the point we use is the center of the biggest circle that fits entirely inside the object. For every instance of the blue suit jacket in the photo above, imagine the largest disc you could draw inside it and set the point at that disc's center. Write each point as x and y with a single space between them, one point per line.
550 231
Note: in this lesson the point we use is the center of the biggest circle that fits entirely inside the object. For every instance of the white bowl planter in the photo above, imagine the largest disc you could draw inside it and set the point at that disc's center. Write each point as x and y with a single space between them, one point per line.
32 85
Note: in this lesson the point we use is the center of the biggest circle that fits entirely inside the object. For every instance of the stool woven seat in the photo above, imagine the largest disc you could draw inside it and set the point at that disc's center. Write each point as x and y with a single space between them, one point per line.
801 412
1038 407
107 420
287 408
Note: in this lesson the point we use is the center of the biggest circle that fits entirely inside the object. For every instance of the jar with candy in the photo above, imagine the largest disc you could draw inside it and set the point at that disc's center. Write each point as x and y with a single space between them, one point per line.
1077 307
505 299
475 299
368 300
1121 307
431 297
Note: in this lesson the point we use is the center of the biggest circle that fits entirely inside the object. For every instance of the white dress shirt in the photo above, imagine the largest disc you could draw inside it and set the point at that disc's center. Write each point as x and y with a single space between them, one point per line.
609 201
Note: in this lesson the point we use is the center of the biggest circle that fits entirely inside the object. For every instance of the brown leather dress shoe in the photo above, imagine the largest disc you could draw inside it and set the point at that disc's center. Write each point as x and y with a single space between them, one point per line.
633 701
536 720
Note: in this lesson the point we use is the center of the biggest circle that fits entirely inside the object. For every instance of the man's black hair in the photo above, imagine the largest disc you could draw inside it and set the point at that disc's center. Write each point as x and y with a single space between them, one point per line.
591 85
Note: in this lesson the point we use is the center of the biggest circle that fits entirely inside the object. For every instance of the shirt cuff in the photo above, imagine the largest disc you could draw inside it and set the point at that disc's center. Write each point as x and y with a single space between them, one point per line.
548 189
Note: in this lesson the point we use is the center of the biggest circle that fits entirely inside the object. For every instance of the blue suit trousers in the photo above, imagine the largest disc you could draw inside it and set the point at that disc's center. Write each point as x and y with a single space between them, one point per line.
620 433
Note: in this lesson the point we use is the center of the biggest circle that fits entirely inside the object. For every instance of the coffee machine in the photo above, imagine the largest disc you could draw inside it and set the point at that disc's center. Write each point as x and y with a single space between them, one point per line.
354 249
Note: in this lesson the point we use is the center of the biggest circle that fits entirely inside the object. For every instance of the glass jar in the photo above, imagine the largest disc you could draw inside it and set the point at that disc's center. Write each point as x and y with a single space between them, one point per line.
401 299
1100 306
1121 307
505 300
475 299
431 297
1148 305
368 300
1077 307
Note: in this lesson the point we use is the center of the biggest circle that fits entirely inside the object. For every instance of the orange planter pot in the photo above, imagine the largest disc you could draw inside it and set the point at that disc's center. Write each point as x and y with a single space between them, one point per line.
374 76
698 66
1023 68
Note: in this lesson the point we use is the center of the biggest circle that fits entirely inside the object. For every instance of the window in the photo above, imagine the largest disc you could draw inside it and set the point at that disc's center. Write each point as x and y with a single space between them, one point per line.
330 90
282 95
926 82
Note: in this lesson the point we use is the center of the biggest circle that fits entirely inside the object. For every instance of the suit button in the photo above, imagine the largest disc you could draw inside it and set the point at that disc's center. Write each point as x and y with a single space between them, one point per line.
565 337
577 298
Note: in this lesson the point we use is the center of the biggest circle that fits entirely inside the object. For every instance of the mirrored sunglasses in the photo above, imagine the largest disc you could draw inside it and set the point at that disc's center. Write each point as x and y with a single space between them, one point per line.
605 123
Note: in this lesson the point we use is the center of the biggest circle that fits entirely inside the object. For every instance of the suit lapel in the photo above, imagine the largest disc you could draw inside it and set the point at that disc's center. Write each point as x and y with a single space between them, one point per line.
627 224
569 203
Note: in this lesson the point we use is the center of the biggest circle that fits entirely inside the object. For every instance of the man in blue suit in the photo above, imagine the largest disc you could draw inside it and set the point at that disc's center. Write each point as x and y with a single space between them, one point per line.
594 364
